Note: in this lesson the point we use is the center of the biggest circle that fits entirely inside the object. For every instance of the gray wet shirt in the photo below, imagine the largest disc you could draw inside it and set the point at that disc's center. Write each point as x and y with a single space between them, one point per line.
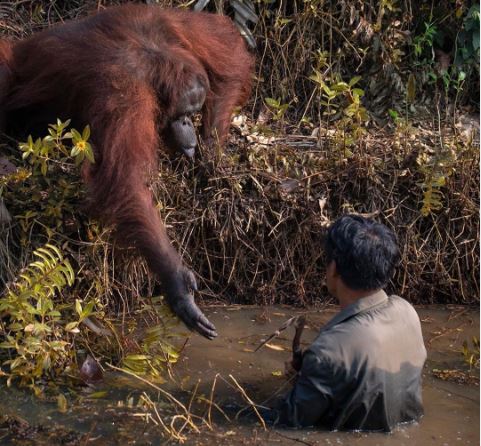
363 371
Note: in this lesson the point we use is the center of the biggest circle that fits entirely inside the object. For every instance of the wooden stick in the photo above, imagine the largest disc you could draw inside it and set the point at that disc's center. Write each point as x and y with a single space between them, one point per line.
296 343
285 325
252 404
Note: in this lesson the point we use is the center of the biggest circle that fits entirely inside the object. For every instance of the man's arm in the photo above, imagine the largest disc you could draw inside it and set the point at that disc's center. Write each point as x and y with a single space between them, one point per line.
311 396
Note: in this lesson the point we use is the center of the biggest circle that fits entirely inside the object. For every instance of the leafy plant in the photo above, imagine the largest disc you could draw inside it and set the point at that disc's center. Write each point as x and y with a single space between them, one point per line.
155 351
466 53
423 43
341 98
467 42
278 109
342 103
424 54
436 168
52 147
471 354
35 328
47 188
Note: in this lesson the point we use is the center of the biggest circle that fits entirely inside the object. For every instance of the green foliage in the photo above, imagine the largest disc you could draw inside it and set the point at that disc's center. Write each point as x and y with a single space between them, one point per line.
467 44
471 354
466 53
35 328
47 189
341 98
423 43
424 55
453 79
42 311
342 102
155 351
436 168
278 109
394 115
52 147
43 196
81 148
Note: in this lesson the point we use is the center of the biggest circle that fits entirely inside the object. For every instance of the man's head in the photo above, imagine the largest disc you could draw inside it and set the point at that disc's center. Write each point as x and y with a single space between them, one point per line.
361 253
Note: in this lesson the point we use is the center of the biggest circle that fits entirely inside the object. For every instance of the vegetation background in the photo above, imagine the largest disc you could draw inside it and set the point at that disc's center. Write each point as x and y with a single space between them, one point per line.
358 106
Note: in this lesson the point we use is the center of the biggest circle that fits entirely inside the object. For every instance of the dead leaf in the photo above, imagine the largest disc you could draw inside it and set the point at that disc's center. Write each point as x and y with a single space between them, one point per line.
5 217
275 347
62 403
289 185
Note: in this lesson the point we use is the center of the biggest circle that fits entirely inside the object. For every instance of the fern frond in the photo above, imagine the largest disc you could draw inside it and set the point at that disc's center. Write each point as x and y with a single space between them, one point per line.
35 326
44 276
435 168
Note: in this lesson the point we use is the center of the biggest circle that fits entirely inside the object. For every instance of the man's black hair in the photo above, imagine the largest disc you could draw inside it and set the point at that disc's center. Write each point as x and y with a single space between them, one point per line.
365 252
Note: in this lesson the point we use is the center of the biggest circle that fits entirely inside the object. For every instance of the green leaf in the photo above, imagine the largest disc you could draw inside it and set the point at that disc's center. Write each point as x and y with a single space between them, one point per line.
354 80
71 326
476 41
136 358
41 328
87 311
316 77
76 136
393 114
274 103
328 91
99 394
62 403
86 133
340 87
89 153
78 307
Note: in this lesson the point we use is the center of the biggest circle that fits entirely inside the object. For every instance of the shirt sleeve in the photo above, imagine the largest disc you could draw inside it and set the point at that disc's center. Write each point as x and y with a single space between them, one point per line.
311 396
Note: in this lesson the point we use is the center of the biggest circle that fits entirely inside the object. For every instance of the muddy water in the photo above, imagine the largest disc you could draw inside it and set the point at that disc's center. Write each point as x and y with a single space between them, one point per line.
451 408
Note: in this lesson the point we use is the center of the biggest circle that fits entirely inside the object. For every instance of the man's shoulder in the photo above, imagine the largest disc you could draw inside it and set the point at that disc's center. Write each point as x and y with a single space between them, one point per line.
400 303
366 327
399 299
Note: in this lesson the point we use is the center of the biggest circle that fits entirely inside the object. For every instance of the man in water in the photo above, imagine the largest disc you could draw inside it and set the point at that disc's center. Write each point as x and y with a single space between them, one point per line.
363 371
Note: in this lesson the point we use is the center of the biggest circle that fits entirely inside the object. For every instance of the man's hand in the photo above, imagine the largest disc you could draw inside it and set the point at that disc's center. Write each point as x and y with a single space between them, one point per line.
297 357
294 366
289 370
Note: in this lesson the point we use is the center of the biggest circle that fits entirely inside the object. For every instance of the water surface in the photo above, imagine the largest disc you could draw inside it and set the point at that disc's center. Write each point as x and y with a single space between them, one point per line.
113 418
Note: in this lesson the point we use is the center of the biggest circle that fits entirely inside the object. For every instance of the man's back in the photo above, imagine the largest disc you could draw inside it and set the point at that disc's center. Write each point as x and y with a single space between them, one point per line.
364 369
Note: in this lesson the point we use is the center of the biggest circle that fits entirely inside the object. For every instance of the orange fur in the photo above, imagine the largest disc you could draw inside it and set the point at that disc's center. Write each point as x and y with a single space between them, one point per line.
122 71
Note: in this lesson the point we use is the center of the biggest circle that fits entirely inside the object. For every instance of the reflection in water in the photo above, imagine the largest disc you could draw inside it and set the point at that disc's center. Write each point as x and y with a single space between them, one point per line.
105 418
